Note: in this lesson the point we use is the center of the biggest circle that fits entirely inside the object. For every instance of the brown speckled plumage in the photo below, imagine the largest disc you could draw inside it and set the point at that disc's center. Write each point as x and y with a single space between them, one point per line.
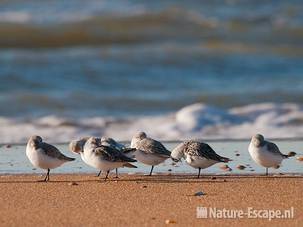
151 146
111 154
196 148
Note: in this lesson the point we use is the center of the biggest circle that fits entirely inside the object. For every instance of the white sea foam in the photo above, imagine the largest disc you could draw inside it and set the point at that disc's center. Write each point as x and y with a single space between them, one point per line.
194 121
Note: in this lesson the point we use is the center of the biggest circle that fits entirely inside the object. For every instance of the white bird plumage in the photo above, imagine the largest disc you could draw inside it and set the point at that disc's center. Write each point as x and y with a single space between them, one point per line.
149 151
44 155
197 154
265 153
77 146
104 158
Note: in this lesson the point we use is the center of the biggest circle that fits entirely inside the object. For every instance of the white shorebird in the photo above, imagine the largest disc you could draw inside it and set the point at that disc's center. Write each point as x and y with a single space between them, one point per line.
149 151
265 153
44 155
77 146
197 154
104 158
110 142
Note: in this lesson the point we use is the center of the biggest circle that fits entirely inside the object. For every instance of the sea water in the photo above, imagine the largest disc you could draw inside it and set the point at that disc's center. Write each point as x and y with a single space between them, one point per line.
13 160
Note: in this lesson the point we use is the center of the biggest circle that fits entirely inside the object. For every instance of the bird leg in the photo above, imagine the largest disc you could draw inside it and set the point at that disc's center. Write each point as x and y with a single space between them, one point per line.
199 172
266 172
106 177
116 173
99 173
47 176
151 171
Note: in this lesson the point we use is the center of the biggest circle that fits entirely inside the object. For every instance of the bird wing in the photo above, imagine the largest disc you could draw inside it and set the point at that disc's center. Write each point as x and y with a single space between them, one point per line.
204 150
113 143
112 154
127 150
52 151
273 148
151 146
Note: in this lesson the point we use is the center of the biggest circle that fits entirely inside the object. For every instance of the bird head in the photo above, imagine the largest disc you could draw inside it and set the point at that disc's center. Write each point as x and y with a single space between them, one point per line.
77 146
257 140
34 141
136 138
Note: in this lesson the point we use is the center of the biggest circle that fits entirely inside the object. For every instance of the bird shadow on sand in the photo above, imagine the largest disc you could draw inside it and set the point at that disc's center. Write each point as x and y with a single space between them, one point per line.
159 179
147 179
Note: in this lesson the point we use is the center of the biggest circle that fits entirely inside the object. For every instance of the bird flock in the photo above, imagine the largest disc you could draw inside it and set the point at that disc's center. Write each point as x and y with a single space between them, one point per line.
105 154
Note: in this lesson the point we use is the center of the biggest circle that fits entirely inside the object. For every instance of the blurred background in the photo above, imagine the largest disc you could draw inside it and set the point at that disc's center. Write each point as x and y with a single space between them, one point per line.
176 69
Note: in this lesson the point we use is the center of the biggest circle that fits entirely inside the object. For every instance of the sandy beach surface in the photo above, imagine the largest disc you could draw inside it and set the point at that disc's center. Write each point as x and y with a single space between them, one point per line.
161 200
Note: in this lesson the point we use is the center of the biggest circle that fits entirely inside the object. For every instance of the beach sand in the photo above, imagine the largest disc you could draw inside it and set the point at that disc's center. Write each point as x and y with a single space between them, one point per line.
135 200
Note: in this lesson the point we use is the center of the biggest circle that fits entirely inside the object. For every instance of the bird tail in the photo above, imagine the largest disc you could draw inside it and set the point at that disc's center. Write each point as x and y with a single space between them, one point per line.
124 158
129 165
166 154
224 159
69 159
127 150
286 155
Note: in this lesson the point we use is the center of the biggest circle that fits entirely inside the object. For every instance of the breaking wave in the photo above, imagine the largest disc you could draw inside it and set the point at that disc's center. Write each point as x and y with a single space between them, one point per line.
194 121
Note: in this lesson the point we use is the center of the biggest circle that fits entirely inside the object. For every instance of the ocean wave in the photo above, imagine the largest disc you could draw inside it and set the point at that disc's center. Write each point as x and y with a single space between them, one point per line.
235 35
194 121
100 29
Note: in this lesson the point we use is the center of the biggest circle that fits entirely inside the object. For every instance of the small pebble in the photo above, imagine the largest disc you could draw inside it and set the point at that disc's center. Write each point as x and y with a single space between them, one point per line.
241 167
169 170
224 167
291 154
144 186
199 193
228 169
72 183
237 154
8 146
300 158
170 222
224 180
213 178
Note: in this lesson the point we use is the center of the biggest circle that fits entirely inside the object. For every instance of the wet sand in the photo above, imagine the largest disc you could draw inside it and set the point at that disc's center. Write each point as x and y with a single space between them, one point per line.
83 200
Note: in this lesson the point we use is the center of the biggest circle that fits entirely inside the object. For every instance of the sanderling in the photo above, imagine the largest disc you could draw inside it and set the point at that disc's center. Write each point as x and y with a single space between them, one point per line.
197 154
149 151
44 155
129 152
104 158
107 141
265 153
77 146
